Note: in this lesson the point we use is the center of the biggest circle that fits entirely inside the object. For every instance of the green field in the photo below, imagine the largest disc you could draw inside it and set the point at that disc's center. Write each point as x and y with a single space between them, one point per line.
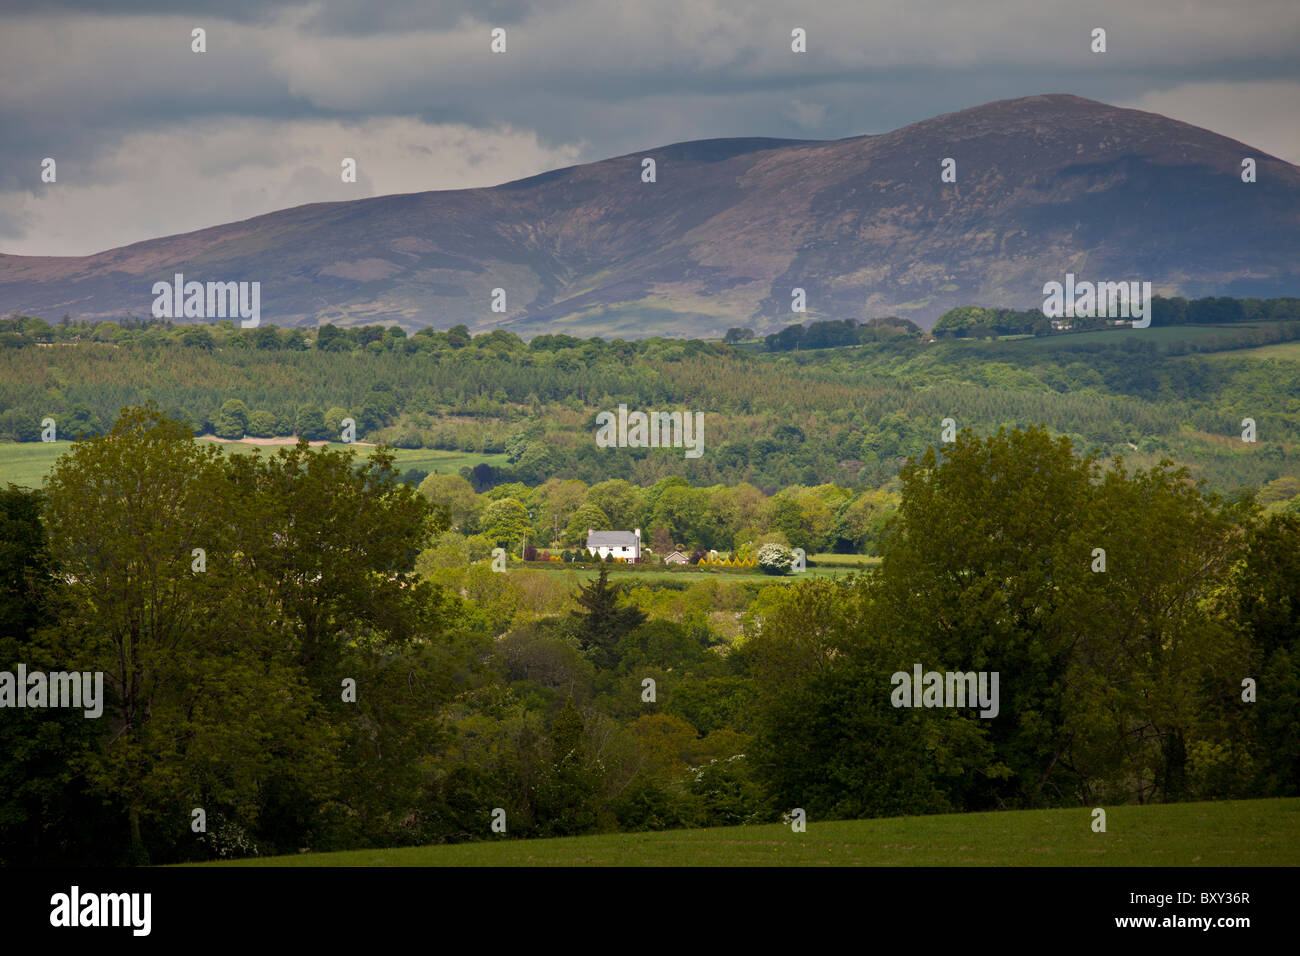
1229 833
1159 334
27 463
819 566
1285 351
841 560
631 577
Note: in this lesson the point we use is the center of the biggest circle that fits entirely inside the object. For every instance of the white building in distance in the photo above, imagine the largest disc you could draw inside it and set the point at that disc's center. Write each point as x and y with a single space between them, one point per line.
621 544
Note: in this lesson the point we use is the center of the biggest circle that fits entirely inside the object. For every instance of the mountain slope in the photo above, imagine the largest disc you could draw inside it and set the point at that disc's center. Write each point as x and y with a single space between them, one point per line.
1045 185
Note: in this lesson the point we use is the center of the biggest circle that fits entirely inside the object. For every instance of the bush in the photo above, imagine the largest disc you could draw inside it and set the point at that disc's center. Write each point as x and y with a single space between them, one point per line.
651 805
730 795
775 559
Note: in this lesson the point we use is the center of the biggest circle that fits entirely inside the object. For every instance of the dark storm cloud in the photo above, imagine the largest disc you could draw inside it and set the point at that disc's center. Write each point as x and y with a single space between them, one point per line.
96 83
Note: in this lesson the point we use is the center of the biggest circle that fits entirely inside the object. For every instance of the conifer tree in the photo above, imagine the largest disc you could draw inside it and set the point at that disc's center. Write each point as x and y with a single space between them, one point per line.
603 621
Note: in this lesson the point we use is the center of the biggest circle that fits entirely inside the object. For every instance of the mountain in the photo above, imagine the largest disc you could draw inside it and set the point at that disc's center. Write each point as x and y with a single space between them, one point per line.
1045 185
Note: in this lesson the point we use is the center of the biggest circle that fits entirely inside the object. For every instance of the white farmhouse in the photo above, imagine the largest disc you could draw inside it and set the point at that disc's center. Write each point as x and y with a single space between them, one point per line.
621 544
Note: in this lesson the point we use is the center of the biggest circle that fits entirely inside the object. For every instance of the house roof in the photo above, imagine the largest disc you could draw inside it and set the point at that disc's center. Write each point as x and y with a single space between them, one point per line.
612 539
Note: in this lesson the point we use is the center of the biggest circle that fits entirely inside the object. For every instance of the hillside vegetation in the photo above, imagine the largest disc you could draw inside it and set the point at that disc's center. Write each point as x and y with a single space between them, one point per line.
845 416
300 650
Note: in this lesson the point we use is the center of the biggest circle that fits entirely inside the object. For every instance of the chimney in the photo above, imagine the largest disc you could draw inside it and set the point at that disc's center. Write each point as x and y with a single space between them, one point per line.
638 534
588 532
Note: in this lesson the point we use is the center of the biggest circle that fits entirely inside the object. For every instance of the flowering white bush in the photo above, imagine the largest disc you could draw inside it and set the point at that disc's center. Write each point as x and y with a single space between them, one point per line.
775 559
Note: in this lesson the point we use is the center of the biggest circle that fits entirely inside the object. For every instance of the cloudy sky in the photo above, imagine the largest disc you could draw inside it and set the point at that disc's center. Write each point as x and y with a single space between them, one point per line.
152 139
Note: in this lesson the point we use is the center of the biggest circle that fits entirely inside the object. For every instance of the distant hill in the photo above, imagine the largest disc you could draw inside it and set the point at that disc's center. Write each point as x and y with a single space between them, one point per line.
1045 185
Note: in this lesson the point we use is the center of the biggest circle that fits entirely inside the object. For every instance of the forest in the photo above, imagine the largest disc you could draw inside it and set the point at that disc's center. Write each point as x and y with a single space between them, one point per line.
299 652
847 415
304 648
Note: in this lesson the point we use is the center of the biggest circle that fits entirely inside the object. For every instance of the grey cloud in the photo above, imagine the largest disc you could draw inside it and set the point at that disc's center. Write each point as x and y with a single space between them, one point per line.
353 17
13 225
80 79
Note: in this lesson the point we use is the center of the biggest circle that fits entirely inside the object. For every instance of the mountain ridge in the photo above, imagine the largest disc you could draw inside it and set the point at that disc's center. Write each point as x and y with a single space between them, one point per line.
1046 184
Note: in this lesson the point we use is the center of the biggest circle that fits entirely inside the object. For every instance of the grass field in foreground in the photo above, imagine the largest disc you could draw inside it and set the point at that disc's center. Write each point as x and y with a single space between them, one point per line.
27 463
1228 833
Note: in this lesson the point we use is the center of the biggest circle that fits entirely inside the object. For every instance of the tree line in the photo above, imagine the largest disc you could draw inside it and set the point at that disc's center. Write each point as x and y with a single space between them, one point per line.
984 322
284 650
671 514
869 407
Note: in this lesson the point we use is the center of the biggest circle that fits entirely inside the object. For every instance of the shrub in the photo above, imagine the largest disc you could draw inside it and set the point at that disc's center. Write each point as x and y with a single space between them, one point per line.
775 559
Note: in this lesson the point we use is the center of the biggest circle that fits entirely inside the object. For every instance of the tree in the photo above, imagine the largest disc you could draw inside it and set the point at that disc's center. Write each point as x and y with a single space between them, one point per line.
680 509
855 755
964 319
1268 583
330 338
567 798
1266 599
588 517
310 424
458 496
197 337
192 659
786 516
860 522
334 421
519 440
1104 670
602 620
661 540
341 538
80 423
458 336
45 811
619 500
660 644
666 743
262 424
506 522
232 420
557 501
338 539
